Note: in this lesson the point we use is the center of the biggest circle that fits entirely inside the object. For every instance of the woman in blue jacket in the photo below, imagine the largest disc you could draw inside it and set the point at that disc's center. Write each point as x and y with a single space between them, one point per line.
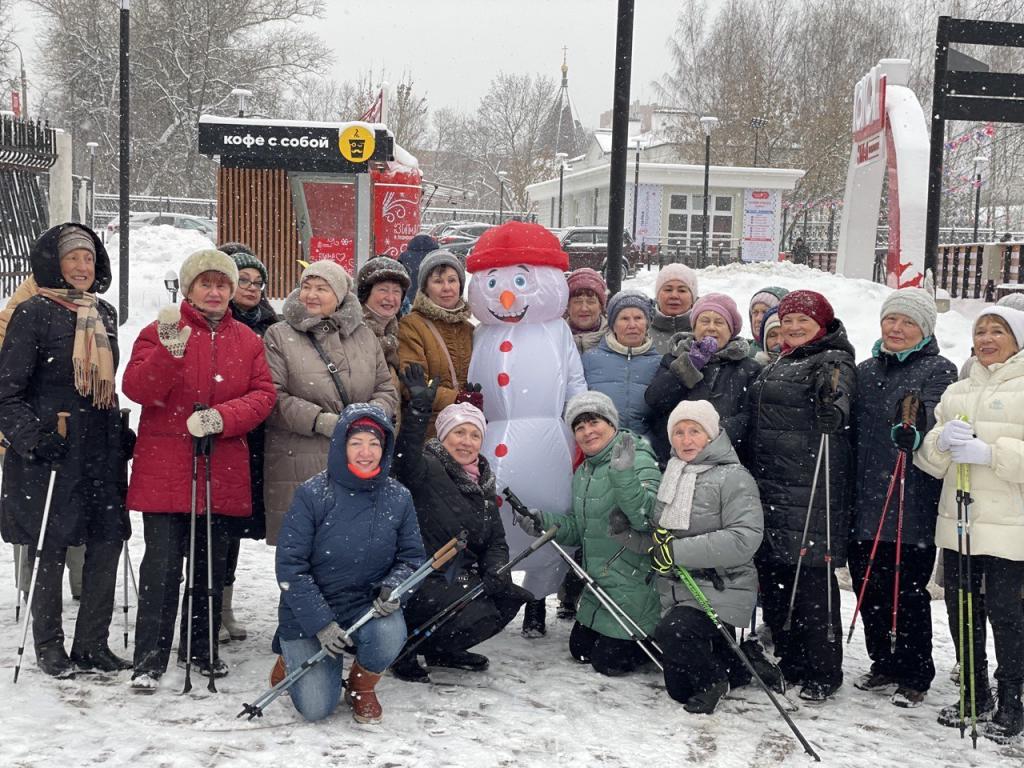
349 537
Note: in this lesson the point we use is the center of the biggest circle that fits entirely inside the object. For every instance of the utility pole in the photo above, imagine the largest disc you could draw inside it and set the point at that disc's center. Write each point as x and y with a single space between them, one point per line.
620 142
124 154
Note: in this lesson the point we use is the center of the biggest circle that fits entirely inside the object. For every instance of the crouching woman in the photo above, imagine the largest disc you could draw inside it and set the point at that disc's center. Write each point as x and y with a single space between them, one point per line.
348 539
709 522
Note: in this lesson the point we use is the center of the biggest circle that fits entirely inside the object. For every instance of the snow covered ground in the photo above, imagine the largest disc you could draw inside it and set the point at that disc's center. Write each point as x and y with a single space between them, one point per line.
534 707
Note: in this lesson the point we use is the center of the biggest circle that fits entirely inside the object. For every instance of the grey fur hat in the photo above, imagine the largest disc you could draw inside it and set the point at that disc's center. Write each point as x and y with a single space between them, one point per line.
439 258
206 260
378 270
597 403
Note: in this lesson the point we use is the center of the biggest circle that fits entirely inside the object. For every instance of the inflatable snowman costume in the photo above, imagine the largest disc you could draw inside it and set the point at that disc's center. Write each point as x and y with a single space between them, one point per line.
527 363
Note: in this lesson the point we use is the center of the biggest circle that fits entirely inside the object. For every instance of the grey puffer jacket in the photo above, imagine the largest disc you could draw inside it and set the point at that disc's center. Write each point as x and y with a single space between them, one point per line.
294 451
726 526
663 328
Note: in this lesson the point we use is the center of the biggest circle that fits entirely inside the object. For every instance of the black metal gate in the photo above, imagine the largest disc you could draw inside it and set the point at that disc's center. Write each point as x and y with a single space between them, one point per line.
26 150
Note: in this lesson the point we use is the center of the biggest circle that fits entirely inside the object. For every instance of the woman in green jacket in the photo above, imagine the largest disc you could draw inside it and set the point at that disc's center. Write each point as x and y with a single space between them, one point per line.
620 472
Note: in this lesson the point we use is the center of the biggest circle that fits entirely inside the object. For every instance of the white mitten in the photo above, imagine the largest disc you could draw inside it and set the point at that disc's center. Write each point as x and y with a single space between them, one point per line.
170 335
206 422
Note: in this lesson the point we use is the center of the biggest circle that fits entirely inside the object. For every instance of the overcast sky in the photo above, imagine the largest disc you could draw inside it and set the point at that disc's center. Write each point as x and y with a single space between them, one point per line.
453 48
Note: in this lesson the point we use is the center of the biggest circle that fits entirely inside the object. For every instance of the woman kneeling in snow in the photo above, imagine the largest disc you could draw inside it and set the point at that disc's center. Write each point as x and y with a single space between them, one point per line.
710 522
348 539
618 473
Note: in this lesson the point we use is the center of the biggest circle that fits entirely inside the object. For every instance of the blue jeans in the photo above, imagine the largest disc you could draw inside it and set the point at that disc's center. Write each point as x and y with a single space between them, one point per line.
317 693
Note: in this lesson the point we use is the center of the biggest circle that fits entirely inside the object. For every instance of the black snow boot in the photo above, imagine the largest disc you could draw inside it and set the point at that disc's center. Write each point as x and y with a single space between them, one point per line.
53 660
984 707
1008 721
704 703
762 663
100 659
409 670
472 662
533 619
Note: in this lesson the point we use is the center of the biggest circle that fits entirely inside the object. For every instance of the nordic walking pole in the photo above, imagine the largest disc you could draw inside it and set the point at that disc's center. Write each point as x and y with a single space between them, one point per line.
709 611
191 582
423 632
874 544
635 631
17 581
125 415
803 539
435 563
62 430
911 404
830 632
208 453
966 468
960 591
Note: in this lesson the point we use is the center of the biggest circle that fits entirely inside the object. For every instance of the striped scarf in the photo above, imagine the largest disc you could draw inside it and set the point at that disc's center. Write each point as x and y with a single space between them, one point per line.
91 355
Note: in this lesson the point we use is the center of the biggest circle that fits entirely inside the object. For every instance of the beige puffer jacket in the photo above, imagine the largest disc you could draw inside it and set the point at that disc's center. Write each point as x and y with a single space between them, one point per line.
294 451
992 400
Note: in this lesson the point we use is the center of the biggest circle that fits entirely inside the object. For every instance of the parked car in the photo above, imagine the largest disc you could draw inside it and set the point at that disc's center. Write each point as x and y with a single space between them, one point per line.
176 220
588 247
461 233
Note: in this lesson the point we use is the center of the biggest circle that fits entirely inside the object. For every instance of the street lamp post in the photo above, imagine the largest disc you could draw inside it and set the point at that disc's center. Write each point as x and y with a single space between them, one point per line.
92 145
560 157
979 163
501 196
757 123
243 95
707 124
24 80
636 186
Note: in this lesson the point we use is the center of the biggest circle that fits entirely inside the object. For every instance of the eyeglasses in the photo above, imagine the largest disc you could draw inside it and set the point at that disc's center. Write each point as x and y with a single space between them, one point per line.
245 282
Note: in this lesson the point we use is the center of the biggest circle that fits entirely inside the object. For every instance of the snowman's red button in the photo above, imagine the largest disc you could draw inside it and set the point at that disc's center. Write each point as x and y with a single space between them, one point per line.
500 450
506 346
503 379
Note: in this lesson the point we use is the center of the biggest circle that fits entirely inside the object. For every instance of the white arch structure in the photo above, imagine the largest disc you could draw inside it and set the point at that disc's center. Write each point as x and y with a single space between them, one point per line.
890 138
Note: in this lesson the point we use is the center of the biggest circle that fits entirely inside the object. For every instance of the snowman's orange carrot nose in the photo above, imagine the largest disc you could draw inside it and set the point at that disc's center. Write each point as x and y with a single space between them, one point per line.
507 299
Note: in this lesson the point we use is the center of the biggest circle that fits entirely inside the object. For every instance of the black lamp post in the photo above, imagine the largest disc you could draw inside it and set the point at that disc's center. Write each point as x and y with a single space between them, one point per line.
243 95
707 124
636 186
501 196
979 163
92 145
757 123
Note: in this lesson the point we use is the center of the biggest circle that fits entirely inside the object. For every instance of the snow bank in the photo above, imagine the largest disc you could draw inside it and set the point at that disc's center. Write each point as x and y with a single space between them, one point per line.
856 302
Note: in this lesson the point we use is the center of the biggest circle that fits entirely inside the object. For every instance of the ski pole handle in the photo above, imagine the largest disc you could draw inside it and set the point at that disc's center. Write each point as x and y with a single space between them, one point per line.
62 423
521 509
911 406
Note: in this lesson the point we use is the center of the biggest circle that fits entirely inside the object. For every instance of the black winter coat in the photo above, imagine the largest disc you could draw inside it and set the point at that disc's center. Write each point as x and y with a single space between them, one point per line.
37 381
882 383
447 501
255 527
724 382
783 445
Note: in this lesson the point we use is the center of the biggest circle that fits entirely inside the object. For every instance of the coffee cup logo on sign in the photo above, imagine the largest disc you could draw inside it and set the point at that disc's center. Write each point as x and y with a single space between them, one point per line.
356 143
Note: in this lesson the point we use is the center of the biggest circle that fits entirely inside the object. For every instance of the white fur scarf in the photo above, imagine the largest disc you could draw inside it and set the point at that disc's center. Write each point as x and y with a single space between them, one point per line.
675 495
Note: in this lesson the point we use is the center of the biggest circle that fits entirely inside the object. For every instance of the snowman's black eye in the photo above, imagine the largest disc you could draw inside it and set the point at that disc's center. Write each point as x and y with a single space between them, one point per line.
519 281
491 282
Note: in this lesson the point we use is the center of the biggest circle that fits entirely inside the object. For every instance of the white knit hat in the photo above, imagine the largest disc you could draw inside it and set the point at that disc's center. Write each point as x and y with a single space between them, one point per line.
597 403
459 413
676 271
206 260
700 411
332 273
915 303
1012 317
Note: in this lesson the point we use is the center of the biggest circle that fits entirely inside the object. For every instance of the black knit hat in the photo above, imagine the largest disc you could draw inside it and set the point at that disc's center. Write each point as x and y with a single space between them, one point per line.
378 270
244 258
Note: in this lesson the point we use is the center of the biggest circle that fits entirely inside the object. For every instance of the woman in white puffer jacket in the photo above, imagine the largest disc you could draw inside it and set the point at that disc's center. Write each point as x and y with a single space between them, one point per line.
980 422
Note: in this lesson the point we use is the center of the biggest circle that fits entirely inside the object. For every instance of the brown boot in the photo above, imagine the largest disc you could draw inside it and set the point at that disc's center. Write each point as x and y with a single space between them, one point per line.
360 696
278 672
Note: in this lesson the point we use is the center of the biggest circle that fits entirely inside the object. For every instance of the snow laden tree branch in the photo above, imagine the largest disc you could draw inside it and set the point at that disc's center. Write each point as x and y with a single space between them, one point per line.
186 57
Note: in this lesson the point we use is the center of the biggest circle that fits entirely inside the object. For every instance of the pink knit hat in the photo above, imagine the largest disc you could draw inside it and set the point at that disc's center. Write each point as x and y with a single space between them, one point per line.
459 413
724 306
676 271
587 279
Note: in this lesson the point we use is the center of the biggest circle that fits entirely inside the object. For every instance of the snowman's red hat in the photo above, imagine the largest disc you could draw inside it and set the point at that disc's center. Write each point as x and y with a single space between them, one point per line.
517 242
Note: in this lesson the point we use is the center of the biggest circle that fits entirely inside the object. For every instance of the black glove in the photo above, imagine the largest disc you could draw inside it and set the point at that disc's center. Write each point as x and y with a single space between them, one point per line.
51 447
662 558
421 394
617 522
494 584
828 418
128 440
905 437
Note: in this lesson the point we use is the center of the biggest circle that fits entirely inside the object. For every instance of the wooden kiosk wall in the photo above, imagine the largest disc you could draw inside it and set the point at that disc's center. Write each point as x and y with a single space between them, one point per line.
255 207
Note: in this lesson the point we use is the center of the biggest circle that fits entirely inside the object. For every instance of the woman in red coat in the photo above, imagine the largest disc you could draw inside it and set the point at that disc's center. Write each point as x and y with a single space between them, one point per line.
200 356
